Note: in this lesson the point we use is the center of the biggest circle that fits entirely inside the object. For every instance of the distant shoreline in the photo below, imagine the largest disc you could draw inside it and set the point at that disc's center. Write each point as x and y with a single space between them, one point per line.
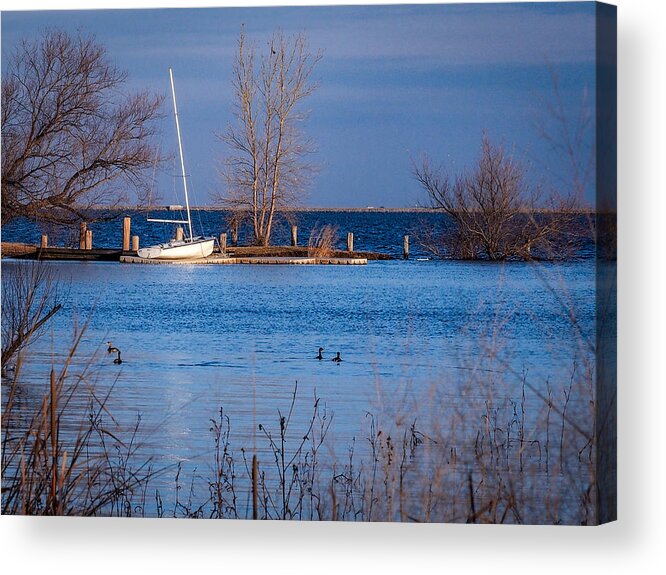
369 209
294 209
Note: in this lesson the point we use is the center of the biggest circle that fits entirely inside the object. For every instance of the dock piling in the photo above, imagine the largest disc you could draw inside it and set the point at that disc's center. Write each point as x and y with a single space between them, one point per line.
135 243
294 236
405 247
127 224
179 234
88 245
223 243
45 241
350 241
234 225
82 235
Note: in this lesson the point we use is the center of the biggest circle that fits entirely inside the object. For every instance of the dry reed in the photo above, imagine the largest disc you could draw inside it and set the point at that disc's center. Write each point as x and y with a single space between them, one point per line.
322 241
492 461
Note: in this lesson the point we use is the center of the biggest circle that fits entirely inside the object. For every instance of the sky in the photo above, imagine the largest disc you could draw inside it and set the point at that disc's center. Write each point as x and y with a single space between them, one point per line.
395 82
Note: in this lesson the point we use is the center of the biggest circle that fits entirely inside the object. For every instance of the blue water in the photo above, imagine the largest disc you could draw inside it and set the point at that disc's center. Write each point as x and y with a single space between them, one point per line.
373 231
433 340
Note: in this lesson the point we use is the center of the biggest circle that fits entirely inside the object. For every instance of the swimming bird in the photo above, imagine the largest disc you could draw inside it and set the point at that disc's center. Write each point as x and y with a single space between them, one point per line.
337 358
111 349
320 356
118 360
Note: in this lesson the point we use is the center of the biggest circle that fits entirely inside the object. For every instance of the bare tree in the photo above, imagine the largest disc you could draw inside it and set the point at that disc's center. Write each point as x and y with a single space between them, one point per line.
494 214
71 140
267 169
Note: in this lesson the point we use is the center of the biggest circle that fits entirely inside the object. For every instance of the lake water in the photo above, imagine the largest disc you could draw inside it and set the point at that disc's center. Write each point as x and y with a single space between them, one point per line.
373 230
441 342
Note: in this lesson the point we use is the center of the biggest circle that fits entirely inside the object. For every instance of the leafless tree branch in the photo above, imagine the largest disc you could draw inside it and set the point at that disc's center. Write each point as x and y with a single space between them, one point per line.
495 215
70 140
268 166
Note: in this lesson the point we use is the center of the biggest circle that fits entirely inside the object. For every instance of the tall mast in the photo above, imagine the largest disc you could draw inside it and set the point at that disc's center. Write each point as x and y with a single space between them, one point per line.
180 150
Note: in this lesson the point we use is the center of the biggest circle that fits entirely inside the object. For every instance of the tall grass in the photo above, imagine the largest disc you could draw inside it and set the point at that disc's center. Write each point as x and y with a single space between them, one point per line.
31 295
322 241
511 465
61 451
479 449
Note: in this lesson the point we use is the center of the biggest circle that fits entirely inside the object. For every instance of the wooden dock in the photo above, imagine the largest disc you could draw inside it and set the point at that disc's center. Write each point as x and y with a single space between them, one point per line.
24 251
258 255
280 256
217 259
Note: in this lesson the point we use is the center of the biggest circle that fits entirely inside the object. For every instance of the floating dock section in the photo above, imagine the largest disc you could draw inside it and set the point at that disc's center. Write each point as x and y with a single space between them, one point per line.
257 260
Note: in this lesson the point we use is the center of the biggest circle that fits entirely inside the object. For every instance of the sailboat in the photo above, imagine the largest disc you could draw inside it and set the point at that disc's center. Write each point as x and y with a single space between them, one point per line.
190 247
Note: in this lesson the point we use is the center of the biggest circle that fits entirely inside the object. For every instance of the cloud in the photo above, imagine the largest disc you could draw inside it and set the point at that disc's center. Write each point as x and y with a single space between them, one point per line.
451 34
473 34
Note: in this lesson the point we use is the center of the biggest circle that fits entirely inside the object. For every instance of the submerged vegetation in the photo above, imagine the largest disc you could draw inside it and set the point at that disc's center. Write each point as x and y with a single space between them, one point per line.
494 214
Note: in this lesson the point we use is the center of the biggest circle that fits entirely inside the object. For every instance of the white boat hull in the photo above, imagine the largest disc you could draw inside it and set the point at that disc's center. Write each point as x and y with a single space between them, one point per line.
179 250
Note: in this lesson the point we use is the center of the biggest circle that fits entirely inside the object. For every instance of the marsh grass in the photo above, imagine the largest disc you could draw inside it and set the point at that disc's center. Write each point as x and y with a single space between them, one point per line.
62 453
31 295
493 446
322 241
522 460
